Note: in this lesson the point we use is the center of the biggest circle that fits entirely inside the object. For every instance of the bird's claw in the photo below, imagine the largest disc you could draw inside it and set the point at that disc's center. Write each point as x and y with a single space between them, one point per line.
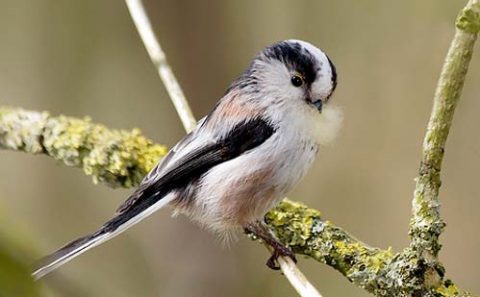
279 250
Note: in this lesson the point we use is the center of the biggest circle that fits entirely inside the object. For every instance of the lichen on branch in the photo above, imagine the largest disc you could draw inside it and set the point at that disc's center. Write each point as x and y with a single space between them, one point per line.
117 157
305 232
426 224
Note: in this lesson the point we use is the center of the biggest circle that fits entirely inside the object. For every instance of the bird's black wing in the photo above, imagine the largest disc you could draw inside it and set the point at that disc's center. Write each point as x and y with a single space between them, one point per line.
243 137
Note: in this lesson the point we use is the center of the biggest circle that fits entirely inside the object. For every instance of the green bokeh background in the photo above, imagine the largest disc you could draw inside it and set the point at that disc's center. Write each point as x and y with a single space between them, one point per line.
85 58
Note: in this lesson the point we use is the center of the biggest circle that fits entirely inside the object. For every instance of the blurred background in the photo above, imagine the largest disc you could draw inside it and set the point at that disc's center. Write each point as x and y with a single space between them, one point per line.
83 58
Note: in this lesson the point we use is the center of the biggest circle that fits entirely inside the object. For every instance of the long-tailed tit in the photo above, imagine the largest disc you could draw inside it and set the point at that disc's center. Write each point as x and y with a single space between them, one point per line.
244 156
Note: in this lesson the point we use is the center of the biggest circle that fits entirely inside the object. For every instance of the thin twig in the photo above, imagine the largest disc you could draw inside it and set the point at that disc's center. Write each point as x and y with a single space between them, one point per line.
140 18
296 278
144 28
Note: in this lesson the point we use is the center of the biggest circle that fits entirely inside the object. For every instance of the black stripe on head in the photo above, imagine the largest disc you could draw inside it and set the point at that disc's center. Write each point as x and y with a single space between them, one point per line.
296 57
334 75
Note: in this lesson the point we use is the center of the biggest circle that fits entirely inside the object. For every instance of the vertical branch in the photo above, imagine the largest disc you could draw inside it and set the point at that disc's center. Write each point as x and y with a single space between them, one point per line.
159 59
426 224
140 18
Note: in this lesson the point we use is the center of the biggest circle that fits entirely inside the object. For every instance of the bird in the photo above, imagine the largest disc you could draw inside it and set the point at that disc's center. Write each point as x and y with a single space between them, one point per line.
243 157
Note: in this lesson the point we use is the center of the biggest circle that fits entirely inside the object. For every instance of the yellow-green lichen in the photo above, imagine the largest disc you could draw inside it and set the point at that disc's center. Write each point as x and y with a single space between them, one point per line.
368 258
115 157
448 289
469 19
292 222
303 230
21 130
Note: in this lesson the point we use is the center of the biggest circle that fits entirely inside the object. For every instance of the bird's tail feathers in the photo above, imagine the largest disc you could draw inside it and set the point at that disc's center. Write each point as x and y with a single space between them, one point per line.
112 228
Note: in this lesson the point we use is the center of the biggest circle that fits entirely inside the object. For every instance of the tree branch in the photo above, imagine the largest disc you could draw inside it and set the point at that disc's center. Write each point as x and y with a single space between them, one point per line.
116 157
426 224
144 28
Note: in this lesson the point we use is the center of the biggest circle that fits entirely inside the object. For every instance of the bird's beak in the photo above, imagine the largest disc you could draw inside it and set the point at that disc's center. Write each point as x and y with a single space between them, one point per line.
317 103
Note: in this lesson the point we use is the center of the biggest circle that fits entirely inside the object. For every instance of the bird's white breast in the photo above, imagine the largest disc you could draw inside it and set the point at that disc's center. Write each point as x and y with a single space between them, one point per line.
243 189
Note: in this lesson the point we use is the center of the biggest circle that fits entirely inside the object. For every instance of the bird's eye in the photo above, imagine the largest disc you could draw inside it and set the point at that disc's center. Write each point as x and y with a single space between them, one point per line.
297 80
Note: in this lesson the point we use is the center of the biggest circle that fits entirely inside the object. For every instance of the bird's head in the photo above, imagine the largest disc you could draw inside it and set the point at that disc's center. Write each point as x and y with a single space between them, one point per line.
291 71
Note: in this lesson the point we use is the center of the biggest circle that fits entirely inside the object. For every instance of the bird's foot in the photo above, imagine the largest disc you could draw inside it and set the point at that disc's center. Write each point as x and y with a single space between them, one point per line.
279 250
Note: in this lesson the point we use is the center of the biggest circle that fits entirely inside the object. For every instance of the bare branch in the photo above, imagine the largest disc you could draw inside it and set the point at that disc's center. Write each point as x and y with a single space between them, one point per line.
297 279
159 59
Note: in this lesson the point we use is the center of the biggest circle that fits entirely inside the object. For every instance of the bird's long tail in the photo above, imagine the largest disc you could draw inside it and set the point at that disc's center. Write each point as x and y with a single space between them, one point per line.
121 222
